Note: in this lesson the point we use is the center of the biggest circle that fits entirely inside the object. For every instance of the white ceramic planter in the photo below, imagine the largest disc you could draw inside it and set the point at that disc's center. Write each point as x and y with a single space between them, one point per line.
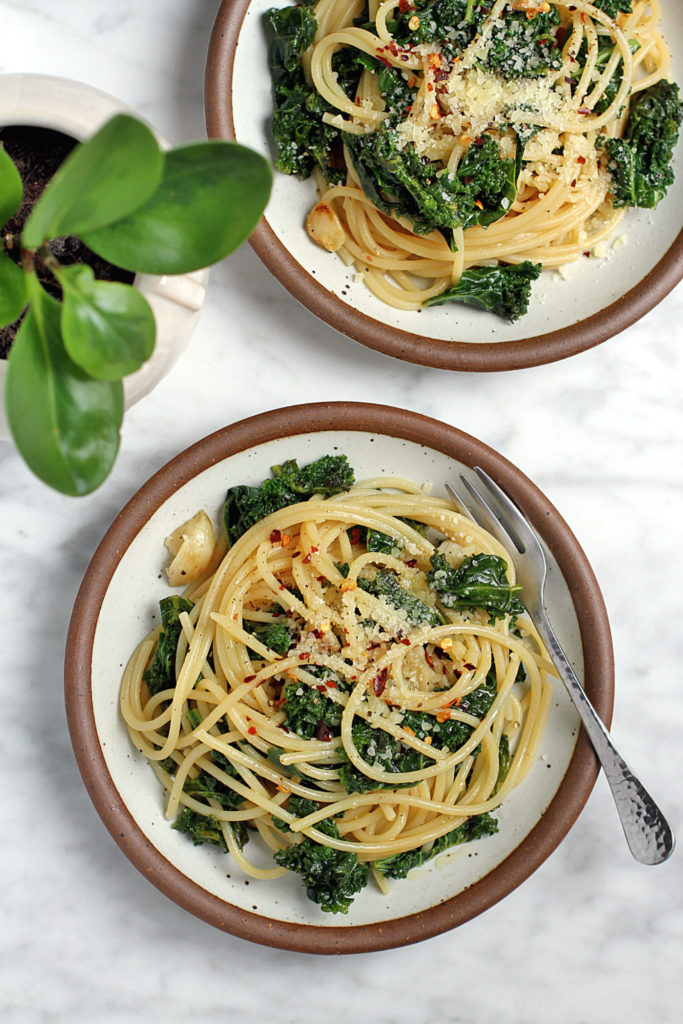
79 110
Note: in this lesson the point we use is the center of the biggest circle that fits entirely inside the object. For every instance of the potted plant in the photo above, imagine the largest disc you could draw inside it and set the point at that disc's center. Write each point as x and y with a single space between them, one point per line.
162 214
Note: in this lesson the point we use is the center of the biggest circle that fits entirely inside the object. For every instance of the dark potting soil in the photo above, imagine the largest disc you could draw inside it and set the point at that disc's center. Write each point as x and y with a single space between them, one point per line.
38 152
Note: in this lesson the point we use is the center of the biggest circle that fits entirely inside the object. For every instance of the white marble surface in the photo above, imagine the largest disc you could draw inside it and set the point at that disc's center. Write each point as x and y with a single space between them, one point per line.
592 938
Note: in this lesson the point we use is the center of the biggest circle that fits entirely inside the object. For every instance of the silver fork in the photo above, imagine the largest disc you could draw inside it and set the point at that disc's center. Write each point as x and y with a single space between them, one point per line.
647 832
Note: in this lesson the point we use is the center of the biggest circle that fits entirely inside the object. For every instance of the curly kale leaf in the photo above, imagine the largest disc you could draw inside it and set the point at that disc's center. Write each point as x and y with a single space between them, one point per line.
381 542
206 787
640 163
301 807
310 714
440 20
504 760
302 138
332 877
505 291
204 828
480 581
161 674
605 50
293 31
520 48
276 636
400 864
381 750
289 485
613 7
328 476
386 584
400 184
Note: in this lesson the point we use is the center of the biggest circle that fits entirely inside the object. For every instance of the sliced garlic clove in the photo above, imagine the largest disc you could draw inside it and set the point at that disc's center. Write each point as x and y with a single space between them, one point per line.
192 545
325 228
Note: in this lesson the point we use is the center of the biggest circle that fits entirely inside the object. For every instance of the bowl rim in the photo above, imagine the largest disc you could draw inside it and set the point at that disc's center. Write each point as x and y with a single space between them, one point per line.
553 826
414 348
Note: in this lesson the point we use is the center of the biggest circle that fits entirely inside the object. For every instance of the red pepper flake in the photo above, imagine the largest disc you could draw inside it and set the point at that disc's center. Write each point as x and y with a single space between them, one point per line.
252 730
429 659
456 701
314 550
322 733
379 683
587 255
405 5
574 183
392 49
405 641
479 142
412 563
580 159
307 559
275 537
304 656
331 683
357 101
355 535
280 702
318 634
283 727
320 689
249 679
408 109
470 668
321 579
383 59
430 86
297 554
468 181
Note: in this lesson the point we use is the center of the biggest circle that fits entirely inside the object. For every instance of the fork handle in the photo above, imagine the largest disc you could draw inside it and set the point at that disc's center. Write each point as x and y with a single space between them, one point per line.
647 831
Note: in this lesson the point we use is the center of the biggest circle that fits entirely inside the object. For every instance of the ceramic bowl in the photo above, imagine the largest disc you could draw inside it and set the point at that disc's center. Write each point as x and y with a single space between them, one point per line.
113 612
79 110
598 299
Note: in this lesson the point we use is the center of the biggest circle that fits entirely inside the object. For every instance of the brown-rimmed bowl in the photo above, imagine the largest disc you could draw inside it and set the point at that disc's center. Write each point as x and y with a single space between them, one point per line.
115 609
598 299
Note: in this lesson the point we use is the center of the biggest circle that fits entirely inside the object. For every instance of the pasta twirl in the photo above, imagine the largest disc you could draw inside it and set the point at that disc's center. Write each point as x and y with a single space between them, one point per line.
349 680
454 135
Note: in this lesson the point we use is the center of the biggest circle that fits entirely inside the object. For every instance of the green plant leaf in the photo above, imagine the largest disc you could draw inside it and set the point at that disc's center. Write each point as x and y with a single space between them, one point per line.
65 424
12 290
209 201
11 188
106 178
108 328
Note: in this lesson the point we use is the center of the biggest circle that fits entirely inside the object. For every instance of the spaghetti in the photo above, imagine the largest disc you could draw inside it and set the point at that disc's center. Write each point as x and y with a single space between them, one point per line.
547 82
328 690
